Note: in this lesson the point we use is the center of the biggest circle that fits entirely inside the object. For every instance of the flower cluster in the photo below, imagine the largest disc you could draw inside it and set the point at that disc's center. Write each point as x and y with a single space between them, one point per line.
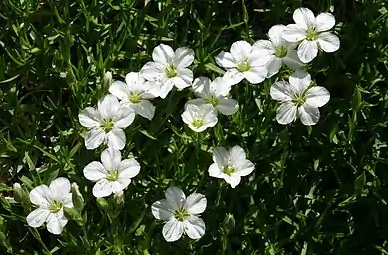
293 45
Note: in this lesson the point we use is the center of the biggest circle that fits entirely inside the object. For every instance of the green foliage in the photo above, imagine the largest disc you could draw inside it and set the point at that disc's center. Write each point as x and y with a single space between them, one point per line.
319 190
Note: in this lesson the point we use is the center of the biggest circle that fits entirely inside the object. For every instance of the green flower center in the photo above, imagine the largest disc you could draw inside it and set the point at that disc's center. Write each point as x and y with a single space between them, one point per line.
243 66
229 170
198 123
311 33
56 206
107 125
135 98
171 71
299 100
181 214
113 175
212 100
281 51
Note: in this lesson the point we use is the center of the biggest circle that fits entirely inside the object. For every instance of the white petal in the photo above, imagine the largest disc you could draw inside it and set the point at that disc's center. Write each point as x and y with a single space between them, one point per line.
56 222
184 57
233 76
102 188
197 101
187 115
244 168
94 171
328 42
317 96
110 158
227 106
225 60
172 230
94 138
256 74
237 155
165 88
299 82
241 51
307 50
221 156
68 201
163 54
119 89
324 21
262 53
304 17
286 113
210 115
145 109
196 203
124 117
119 185
194 227
275 34
292 60
151 71
60 188
215 171
128 168
116 139
308 115
281 91
135 82
89 117
233 180
274 66
161 210
184 79
37 217
201 86
108 106
220 87
294 33
176 196
41 196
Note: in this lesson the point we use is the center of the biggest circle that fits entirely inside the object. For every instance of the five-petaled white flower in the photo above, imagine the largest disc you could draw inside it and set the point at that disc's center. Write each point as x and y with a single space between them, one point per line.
311 33
200 117
242 62
169 69
106 123
299 99
230 165
214 93
51 201
112 175
277 50
134 93
180 214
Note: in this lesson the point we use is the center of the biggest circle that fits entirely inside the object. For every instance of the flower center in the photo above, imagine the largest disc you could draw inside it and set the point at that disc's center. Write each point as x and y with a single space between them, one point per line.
171 71
281 51
107 125
243 66
198 123
212 100
113 175
311 33
299 100
56 206
135 98
229 170
181 214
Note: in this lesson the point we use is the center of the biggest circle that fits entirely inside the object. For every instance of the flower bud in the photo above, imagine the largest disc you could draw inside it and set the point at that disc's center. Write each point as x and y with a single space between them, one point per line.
229 222
72 214
119 197
107 80
102 204
78 200
18 192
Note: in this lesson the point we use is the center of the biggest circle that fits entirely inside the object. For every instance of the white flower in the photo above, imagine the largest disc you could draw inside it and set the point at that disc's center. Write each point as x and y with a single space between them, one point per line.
312 33
230 165
241 62
106 123
278 50
112 175
200 117
134 93
299 99
180 214
169 69
50 201
214 93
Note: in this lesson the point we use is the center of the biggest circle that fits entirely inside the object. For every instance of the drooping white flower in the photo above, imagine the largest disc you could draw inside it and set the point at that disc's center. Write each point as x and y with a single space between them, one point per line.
106 123
278 50
135 93
311 33
230 165
180 214
169 69
50 201
241 62
299 99
200 117
214 93
112 175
